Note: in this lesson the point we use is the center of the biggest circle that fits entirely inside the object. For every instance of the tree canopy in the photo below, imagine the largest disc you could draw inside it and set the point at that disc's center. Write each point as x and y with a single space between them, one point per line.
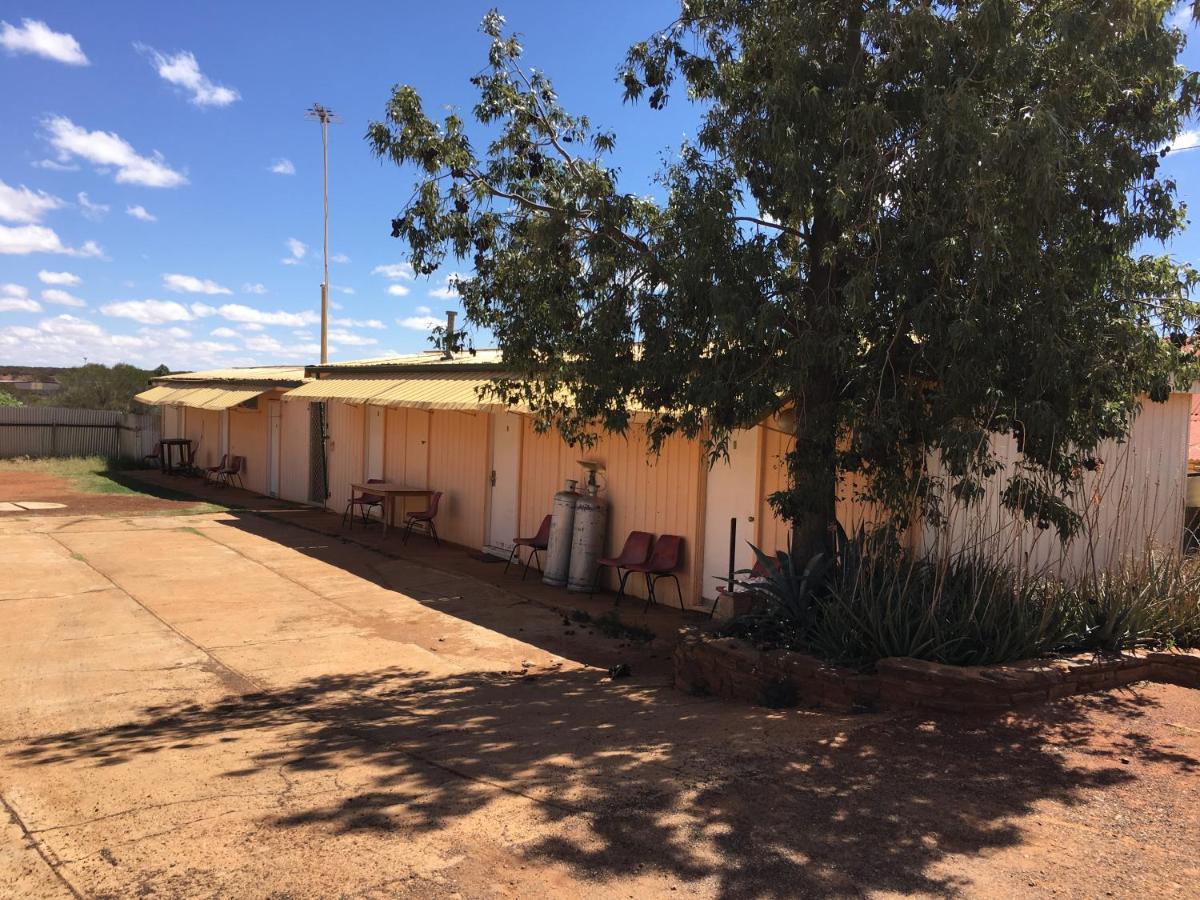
912 225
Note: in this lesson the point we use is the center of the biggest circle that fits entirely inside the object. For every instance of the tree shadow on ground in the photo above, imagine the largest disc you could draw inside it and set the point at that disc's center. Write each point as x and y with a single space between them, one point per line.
624 777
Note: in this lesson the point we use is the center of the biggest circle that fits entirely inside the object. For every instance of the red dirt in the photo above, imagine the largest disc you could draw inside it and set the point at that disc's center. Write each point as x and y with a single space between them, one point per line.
28 484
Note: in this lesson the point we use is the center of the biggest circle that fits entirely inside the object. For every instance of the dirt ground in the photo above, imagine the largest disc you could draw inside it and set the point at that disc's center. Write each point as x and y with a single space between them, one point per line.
26 483
224 705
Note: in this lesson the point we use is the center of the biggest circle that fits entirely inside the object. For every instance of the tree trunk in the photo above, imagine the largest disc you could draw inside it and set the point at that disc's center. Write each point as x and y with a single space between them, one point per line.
811 506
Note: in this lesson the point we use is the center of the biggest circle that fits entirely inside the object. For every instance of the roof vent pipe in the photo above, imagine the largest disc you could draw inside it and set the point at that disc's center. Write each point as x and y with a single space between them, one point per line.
451 343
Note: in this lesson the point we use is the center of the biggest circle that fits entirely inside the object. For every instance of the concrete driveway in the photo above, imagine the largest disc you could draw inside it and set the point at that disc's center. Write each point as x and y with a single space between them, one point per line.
224 705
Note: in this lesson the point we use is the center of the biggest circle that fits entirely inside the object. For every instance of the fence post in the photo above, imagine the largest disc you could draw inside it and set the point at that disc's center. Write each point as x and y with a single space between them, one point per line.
54 439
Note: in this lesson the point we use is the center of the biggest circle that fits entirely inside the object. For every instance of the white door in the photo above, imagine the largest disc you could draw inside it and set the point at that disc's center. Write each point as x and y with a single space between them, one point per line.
374 416
273 432
223 433
416 450
505 477
731 503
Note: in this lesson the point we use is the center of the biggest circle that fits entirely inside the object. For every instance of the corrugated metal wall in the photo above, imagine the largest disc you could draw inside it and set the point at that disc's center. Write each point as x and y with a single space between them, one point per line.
459 468
1134 502
293 451
663 494
345 451
43 431
202 427
774 534
248 438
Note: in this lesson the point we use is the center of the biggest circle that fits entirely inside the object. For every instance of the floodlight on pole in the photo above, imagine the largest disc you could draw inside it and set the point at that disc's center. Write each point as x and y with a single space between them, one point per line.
324 115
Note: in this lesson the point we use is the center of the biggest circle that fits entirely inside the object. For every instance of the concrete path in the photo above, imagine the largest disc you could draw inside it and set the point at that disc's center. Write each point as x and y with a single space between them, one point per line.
222 705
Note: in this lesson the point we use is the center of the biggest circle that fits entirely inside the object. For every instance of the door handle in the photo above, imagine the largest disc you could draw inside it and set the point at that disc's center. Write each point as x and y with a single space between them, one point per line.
493 478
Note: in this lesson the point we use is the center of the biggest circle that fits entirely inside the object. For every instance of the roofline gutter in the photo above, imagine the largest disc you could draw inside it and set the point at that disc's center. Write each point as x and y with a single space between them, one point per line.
283 385
484 369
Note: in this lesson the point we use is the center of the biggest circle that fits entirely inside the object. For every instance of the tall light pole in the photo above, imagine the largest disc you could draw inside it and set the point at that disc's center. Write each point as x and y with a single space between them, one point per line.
324 115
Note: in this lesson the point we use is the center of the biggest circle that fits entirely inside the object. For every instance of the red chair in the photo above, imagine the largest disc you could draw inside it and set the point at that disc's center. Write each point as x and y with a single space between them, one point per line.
365 502
664 560
635 553
232 472
210 472
536 544
154 458
424 519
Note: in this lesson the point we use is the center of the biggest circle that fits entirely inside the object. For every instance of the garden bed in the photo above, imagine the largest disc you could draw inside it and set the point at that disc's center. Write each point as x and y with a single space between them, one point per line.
736 670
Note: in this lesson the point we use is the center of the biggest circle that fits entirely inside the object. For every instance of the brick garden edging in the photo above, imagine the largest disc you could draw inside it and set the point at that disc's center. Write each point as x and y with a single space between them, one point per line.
735 670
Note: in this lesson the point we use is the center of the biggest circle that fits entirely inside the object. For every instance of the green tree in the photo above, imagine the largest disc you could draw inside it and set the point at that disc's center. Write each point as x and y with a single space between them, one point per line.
912 225
7 399
94 386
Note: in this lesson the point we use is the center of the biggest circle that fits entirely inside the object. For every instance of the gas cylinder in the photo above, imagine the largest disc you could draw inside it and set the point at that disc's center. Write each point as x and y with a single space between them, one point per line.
587 543
562 527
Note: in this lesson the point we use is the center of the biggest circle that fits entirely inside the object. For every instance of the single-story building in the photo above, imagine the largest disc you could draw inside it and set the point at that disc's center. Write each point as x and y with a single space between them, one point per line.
238 412
418 419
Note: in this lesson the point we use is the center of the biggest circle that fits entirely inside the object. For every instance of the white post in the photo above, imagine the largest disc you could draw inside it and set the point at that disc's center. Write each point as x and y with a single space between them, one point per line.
325 282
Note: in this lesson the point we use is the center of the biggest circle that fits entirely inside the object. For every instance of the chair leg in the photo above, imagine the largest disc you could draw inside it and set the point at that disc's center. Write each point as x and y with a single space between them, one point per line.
433 531
408 527
650 598
528 562
510 559
622 580
678 590
346 514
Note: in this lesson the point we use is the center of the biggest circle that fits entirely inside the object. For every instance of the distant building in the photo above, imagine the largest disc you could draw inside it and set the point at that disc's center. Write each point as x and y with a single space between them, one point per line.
30 384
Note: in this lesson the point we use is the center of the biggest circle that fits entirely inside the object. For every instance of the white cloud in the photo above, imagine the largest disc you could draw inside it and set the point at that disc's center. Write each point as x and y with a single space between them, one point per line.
235 312
350 339
253 326
341 290
449 289
54 166
190 284
394 271
70 325
13 290
148 312
423 310
25 206
62 298
297 249
358 323
18 304
420 323
107 149
66 278
224 332
90 210
1185 140
39 239
398 290
254 288
339 258
283 167
182 70
37 38
140 212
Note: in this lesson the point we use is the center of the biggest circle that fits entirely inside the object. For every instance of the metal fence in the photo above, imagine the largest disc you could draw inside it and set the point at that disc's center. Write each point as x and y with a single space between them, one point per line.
42 431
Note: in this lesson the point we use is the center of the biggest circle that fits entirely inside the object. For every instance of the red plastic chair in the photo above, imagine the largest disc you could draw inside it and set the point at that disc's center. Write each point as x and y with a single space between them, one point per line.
664 560
365 502
635 553
424 519
210 472
232 472
536 544
154 458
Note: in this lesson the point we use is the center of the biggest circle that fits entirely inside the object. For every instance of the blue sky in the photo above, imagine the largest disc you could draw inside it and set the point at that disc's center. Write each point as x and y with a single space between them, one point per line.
141 221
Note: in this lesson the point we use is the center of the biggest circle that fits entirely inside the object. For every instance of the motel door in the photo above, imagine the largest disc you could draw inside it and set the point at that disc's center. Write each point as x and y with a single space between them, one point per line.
504 478
374 461
273 446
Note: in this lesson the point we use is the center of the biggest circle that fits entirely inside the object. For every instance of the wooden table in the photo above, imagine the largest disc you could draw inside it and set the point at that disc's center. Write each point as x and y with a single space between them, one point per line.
166 452
389 491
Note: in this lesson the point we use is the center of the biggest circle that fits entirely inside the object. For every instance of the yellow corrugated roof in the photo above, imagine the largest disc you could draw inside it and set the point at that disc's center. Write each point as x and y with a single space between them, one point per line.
457 391
490 357
282 375
196 397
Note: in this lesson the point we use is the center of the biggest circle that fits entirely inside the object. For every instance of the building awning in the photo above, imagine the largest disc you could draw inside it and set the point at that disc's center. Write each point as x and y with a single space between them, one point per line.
196 398
450 391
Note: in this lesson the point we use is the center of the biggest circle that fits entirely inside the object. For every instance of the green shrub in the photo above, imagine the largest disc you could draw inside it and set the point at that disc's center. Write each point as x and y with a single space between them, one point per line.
870 600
